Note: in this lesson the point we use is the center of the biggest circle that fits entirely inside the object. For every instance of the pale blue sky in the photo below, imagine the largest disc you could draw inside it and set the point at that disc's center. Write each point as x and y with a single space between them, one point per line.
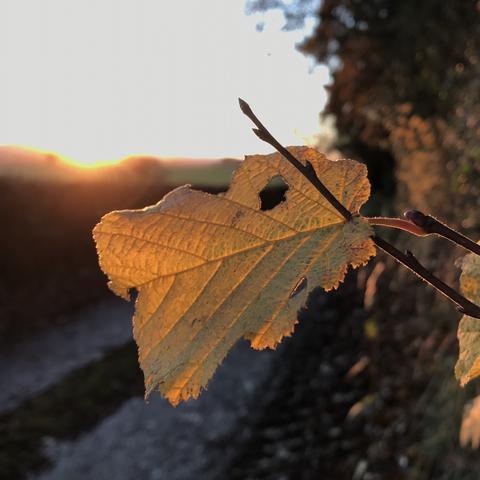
104 79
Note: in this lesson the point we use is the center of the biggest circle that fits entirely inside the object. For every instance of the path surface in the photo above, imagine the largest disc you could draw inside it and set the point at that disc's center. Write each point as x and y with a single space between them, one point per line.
156 441
35 364
138 440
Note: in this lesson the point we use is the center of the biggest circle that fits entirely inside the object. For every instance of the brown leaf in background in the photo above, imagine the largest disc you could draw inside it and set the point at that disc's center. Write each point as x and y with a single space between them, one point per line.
468 365
470 428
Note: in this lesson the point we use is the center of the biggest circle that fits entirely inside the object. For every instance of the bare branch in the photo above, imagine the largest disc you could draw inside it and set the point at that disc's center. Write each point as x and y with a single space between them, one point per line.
416 223
408 260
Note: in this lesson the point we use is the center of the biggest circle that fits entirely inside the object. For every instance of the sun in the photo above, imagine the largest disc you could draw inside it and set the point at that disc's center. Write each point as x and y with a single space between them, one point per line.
87 163
84 161
86 158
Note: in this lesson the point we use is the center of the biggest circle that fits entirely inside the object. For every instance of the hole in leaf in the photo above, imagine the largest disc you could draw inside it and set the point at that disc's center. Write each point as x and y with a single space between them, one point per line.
273 194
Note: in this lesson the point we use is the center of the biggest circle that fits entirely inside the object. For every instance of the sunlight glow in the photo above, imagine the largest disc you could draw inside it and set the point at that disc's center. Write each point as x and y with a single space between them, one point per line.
84 163
100 81
88 163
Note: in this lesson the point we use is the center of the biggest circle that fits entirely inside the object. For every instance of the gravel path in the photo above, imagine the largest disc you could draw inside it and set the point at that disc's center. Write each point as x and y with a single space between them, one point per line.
33 365
156 441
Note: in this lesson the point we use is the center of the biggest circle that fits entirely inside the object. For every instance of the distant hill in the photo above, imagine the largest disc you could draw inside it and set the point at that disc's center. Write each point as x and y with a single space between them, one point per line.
30 164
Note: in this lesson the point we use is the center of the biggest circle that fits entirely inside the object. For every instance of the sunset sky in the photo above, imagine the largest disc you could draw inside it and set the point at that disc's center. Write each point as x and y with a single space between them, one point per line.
98 80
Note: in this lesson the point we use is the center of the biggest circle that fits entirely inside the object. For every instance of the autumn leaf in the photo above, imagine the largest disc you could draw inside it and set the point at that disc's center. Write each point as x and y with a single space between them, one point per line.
468 365
211 269
470 427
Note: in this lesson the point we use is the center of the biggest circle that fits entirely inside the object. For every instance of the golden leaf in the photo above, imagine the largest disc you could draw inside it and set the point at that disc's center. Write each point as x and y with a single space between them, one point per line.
468 364
210 269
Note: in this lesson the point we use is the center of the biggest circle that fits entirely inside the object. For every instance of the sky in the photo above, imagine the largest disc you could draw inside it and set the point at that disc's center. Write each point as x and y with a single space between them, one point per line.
99 80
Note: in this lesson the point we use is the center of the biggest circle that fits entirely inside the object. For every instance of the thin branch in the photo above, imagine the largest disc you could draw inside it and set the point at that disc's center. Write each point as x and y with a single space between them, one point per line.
399 223
431 225
417 223
306 170
408 260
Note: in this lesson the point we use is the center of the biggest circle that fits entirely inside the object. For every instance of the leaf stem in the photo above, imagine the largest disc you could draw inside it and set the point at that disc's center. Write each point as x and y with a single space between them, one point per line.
399 223
422 225
306 170
408 260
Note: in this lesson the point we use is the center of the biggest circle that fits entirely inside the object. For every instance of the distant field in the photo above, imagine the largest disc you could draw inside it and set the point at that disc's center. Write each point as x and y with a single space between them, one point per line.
210 175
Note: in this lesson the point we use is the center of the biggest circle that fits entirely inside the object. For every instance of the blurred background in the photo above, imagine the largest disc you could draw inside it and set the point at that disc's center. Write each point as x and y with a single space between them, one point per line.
109 105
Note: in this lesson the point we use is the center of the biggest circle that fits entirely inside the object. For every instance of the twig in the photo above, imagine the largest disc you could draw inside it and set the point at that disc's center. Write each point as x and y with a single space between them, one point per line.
431 225
408 260
417 223
306 170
